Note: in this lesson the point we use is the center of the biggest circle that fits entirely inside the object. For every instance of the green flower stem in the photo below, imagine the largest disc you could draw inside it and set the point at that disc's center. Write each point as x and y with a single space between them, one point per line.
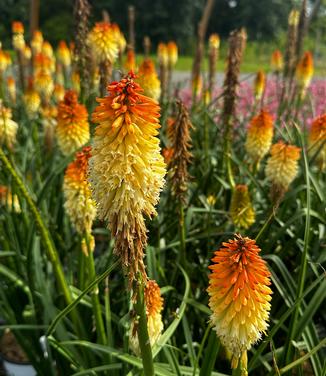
45 236
227 152
96 302
143 338
182 234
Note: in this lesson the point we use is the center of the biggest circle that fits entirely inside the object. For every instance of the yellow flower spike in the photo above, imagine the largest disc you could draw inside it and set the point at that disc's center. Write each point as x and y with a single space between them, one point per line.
241 210
305 71
162 54
58 92
259 135
72 130
103 42
130 64
122 43
317 140
277 62
43 83
294 16
47 49
172 51
282 167
75 80
11 88
27 53
3 61
148 79
32 99
63 54
213 43
126 168
8 127
37 42
239 297
79 204
259 84
18 40
154 306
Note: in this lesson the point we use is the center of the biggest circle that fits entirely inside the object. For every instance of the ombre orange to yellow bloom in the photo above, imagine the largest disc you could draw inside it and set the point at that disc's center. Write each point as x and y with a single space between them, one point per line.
8 127
72 130
282 166
47 49
154 306
172 50
32 99
103 42
213 42
42 62
148 79
11 88
79 204
63 54
43 83
58 92
241 210
305 70
18 40
126 168
259 84
277 62
259 135
317 140
4 63
37 42
162 54
239 297
130 63
75 80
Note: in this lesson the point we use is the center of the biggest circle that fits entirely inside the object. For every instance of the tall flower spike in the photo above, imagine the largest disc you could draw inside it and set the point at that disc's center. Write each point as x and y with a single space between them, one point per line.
239 297
178 167
282 167
317 140
8 127
148 79
63 54
277 62
259 136
37 42
259 85
305 71
126 168
172 50
32 99
18 40
130 63
78 201
154 306
103 42
241 210
213 46
73 128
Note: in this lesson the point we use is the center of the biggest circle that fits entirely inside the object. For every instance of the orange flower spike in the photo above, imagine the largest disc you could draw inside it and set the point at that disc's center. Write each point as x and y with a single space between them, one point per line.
17 27
259 135
78 202
148 79
277 62
172 50
282 166
130 64
259 85
37 42
317 140
239 297
305 70
154 306
63 54
73 128
3 61
18 40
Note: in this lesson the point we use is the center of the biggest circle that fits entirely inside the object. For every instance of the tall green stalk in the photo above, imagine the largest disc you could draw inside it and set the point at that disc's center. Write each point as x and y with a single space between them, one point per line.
143 337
